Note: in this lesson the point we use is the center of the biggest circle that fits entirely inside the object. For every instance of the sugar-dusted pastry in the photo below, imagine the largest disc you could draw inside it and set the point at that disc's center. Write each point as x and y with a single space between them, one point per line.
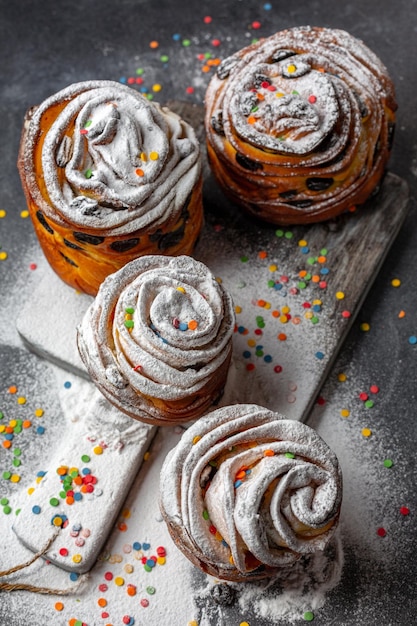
109 176
246 493
300 125
157 339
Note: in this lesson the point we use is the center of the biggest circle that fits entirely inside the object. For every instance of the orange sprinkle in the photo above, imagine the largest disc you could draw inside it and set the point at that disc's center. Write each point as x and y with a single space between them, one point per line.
61 471
302 273
69 500
240 474
192 324
260 96
131 590
122 527
263 254
315 278
153 44
269 453
7 444
261 303
275 313
140 172
401 314
78 480
205 68
27 424
102 602
251 119
59 606
126 513
13 389
321 259
282 336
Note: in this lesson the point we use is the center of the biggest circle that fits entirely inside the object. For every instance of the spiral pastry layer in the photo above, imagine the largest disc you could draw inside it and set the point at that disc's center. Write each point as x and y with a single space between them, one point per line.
300 125
109 176
246 493
157 340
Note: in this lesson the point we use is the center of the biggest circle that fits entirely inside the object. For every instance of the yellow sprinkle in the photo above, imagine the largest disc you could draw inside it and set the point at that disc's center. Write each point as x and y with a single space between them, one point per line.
146 456
273 268
196 439
219 280
279 94
143 156
192 623
244 624
39 412
285 310
2 428
238 309
366 432
30 491
128 568
154 156
156 87
58 521
2 213
119 581
12 423
14 478
345 413
365 327
291 68
341 378
340 295
98 450
126 513
181 289
39 479
24 214
3 256
396 282
161 560
77 558
251 343
308 315
267 305
319 302
302 243
231 560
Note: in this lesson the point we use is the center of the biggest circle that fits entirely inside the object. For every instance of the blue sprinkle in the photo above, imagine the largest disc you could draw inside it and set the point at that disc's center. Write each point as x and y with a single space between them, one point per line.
224 543
146 546
241 329
74 576
137 545
324 270
278 286
40 474
76 527
67 384
316 307
248 471
144 90
268 6
320 355
305 250
123 79
36 509
412 340
40 430
176 37
268 358
78 496
237 484
9 436
150 563
246 354
183 326
85 470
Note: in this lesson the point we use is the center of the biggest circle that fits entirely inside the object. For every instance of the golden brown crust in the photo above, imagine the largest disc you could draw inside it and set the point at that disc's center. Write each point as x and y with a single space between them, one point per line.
299 125
86 243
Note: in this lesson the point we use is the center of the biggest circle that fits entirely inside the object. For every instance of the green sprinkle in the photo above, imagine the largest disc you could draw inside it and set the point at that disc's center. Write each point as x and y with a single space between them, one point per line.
279 233
271 283
139 71
308 616
129 323
186 43
85 458
17 429
388 463
244 259
314 320
289 234
7 509
302 284
4 501
17 452
150 590
311 260
88 173
206 514
290 455
54 501
129 310
369 404
164 58
254 109
63 494
6 475
17 462
323 252
88 123
1 415
147 568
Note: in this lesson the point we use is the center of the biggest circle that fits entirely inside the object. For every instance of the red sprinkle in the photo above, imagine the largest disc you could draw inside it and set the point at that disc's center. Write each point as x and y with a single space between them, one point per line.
381 532
346 314
278 369
103 587
256 25
33 266
250 367
160 551
63 552
404 510
374 389
108 576
207 19
312 99
363 396
144 602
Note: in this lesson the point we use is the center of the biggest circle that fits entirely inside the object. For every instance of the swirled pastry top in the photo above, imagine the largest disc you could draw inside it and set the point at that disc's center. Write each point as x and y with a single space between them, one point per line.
309 112
158 331
112 159
247 492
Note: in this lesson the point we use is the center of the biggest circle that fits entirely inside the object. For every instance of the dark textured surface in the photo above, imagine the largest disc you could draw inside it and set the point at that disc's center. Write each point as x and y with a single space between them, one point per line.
46 45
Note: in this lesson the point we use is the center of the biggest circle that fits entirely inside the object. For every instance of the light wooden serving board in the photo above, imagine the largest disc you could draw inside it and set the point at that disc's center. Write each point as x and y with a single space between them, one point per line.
243 254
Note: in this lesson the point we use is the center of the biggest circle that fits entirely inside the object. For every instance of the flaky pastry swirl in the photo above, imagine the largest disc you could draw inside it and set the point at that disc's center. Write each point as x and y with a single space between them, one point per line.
246 492
109 176
299 125
157 339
